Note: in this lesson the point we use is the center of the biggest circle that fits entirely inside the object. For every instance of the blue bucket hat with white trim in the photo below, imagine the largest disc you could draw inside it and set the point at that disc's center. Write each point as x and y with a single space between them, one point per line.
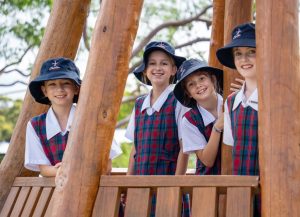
187 68
152 46
57 68
242 36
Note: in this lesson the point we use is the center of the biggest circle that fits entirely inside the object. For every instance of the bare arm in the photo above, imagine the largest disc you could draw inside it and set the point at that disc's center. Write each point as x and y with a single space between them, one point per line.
48 171
182 162
209 153
131 161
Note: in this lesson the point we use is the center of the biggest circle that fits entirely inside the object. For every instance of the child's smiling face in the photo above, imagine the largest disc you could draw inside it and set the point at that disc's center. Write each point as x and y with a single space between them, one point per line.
200 86
245 61
160 68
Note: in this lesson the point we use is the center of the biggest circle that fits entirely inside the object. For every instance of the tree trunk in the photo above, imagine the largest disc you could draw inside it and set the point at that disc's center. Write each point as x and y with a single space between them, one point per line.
277 36
61 38
86 155
236 12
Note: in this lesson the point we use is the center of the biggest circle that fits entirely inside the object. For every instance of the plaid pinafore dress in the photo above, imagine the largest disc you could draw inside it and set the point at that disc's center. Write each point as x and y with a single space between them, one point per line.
54 148
157 144
194 117
244 125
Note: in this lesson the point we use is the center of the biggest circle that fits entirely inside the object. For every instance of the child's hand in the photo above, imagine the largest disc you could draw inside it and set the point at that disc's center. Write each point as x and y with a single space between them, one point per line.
219 124
234 87
57 165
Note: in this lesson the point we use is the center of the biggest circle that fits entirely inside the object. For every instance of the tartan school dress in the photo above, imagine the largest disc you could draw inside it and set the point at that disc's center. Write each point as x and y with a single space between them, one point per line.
194 117
244 125
54 148
157 144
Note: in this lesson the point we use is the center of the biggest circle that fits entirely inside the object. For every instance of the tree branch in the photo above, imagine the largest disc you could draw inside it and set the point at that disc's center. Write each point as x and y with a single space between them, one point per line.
167 25
18 61
13 83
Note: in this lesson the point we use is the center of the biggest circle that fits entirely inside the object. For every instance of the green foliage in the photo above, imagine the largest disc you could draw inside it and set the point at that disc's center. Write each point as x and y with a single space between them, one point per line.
9 112
123 159
126 108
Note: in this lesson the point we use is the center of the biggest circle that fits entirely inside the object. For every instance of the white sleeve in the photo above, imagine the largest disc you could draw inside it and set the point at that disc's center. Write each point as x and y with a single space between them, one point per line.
115 150
180 110
130 127
34 153
192 138
227 134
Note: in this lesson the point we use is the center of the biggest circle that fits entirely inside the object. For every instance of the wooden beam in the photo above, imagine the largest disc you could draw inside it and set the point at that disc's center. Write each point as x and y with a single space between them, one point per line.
86 155
62 36
277 33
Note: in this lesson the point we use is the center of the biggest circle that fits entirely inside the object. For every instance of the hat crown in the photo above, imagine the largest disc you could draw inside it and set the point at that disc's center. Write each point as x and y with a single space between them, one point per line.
244 31
58 64
188 64
160 45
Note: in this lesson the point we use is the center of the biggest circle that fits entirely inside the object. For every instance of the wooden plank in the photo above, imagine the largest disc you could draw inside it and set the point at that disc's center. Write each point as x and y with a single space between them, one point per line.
21 200
137 202
31 201
49 208
239 202
61 38
183 181
107 202
34 181
205 201
168 202
10 201
43 202
277 65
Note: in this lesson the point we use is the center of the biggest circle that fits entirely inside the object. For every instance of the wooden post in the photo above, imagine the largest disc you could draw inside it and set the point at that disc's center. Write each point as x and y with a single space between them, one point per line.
277 37
61 38
236 12
217 32
86 155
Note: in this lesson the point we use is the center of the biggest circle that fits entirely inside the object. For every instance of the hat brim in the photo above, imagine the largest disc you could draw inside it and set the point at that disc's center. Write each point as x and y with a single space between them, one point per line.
36 90
138 72
179 91
225 55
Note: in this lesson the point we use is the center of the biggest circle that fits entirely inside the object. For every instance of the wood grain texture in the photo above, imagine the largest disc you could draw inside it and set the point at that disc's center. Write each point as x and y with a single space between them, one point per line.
99 103
138 202
205 202
277 33
168 202
61 38
239 202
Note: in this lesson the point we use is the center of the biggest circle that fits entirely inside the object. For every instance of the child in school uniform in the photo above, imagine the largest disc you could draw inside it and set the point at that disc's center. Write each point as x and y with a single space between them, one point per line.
153 126
199 88
240 116
46 135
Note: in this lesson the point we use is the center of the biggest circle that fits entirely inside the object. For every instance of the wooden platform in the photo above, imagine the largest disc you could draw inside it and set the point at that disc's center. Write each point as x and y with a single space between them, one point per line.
31 196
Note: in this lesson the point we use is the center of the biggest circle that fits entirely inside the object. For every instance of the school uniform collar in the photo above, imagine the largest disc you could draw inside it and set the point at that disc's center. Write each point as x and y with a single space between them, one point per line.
52 125
206 115
241 98
160 100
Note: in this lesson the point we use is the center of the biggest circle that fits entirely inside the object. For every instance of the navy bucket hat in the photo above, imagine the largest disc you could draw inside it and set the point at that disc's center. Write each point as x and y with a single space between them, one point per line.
242 36
187 68
152 46
57 68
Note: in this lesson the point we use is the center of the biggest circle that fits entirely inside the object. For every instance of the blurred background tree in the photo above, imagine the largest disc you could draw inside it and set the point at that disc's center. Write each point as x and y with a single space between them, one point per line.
185 24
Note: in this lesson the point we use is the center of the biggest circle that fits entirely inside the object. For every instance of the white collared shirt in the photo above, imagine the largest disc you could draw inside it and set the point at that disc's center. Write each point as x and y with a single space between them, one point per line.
240 98
179 111
34 153
192 139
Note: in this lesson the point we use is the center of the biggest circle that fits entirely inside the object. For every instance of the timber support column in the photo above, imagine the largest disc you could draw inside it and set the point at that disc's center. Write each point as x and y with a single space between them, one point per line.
89 143
236 12
277 38
61 38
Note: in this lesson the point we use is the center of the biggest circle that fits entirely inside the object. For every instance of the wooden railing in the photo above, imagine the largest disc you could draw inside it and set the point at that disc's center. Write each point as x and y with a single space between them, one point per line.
31 196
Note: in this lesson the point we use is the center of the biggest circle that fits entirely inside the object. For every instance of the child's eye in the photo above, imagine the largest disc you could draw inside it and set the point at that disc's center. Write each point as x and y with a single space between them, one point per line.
236 54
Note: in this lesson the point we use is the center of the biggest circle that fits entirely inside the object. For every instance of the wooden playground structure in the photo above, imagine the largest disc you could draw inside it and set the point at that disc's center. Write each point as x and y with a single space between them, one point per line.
81 188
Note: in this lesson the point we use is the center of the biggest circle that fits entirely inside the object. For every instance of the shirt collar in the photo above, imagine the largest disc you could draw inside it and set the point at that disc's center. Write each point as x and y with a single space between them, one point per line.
160 100
52 125
206 115
241 98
